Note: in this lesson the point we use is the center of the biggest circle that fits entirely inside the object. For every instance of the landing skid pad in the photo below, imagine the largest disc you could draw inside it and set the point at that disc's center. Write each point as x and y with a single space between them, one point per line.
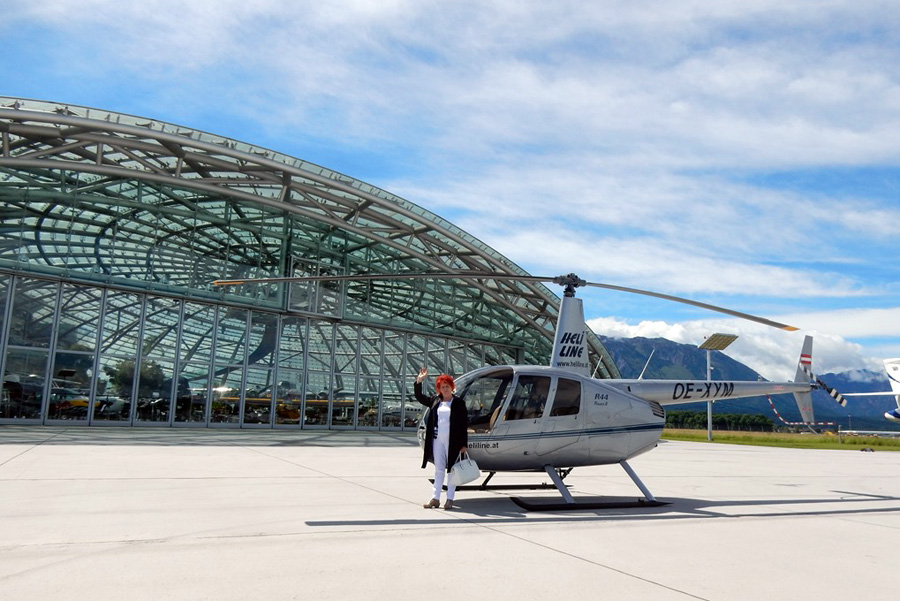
583 505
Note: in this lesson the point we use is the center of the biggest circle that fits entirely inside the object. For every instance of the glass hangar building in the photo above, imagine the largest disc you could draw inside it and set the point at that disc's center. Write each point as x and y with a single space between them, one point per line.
114 227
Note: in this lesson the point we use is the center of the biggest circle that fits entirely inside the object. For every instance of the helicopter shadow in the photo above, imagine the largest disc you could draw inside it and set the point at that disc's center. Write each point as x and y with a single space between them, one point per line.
496 511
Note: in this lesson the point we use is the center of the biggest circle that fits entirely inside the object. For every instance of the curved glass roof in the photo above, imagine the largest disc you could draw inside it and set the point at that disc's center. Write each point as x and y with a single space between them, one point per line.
91 195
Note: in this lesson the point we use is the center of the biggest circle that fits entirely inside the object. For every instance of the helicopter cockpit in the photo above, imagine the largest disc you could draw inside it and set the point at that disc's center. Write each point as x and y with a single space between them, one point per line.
484 396
530 396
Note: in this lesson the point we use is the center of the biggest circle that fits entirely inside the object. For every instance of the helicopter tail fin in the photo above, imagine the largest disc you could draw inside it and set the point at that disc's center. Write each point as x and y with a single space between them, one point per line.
804 374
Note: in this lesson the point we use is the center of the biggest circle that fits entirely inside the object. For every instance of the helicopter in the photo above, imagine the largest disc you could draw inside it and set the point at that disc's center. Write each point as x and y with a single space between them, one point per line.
554 418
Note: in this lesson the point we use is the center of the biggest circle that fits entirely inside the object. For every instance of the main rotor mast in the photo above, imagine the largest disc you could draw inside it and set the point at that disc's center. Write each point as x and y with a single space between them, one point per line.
571 282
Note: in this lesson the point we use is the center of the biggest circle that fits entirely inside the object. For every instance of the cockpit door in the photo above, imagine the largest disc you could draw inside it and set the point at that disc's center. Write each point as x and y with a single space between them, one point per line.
519 423
563 421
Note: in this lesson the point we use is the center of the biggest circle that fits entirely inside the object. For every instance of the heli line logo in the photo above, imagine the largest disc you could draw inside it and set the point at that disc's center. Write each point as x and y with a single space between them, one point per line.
571 345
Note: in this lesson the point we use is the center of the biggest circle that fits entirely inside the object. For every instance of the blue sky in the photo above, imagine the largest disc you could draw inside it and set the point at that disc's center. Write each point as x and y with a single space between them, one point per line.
741 153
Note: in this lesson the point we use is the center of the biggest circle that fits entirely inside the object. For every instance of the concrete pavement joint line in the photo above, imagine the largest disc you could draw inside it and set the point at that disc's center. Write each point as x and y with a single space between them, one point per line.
184 538
351 482
33 445
327 475
593 563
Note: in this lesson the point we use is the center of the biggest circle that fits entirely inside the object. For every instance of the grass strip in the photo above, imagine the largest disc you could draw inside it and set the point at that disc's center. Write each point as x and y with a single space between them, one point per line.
828 440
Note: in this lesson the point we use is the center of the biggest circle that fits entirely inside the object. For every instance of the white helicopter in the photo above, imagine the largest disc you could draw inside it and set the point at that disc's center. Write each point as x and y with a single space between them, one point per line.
555 418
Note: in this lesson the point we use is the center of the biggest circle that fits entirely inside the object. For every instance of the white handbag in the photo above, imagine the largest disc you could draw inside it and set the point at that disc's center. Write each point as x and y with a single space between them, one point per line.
463 471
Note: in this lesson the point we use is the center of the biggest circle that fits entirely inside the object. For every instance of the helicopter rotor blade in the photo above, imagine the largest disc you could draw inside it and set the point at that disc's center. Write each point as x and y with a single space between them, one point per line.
469 275
570 281
694 303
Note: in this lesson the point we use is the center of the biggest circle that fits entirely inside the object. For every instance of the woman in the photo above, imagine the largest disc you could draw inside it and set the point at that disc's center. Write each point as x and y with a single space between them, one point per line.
446 434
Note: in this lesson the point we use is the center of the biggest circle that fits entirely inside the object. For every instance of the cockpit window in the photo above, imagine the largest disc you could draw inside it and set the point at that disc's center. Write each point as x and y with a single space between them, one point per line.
568 398
529 398
483 397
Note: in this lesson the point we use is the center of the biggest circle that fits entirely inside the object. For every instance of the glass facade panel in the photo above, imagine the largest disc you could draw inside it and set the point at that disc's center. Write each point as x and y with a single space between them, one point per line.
415 357
263 338
369 403
5 288
122 322
302 294
323 297
412 409
318 395
113 387
24 383
501 355
437 356
197 333
393 354
231 337
392 404
320 343
159 340
225 399
291 345
154 391
120 336
33 312
79 318
474 357
258 396
343 401
253 245
370 352
329 294
456 358
192 393
345 349
71 385
289 402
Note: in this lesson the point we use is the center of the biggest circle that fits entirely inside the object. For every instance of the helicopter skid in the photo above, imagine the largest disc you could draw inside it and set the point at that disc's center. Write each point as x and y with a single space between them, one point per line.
582 505
570 503
485 486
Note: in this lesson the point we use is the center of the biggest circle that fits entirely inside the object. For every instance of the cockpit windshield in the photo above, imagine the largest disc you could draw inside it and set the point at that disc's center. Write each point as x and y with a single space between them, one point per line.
483 397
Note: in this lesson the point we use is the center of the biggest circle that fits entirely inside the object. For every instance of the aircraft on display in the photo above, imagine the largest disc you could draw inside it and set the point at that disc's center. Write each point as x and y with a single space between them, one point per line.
892 367
554 418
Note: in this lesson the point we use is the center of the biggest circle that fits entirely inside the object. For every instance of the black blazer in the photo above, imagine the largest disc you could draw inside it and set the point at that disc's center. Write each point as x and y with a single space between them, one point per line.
459 424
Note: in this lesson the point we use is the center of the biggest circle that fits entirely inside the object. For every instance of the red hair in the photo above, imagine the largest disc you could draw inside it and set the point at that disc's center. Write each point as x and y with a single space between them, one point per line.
444 379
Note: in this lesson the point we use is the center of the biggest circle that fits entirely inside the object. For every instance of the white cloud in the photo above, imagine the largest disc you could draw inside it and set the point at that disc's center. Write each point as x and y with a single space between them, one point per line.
853 323
771 353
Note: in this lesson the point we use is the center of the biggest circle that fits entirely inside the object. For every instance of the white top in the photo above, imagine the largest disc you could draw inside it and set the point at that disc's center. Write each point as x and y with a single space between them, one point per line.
443 420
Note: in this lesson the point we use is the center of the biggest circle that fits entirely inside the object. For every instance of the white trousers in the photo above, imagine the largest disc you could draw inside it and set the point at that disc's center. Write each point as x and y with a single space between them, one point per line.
440 468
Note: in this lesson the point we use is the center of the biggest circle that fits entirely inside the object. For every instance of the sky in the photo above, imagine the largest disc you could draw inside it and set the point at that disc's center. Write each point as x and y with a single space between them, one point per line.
741 153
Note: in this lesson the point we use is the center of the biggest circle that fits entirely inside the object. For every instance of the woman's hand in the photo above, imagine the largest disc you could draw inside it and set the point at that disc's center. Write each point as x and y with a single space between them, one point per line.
422 373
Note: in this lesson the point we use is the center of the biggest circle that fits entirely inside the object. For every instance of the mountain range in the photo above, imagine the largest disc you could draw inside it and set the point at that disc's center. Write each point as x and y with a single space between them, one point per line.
672 360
